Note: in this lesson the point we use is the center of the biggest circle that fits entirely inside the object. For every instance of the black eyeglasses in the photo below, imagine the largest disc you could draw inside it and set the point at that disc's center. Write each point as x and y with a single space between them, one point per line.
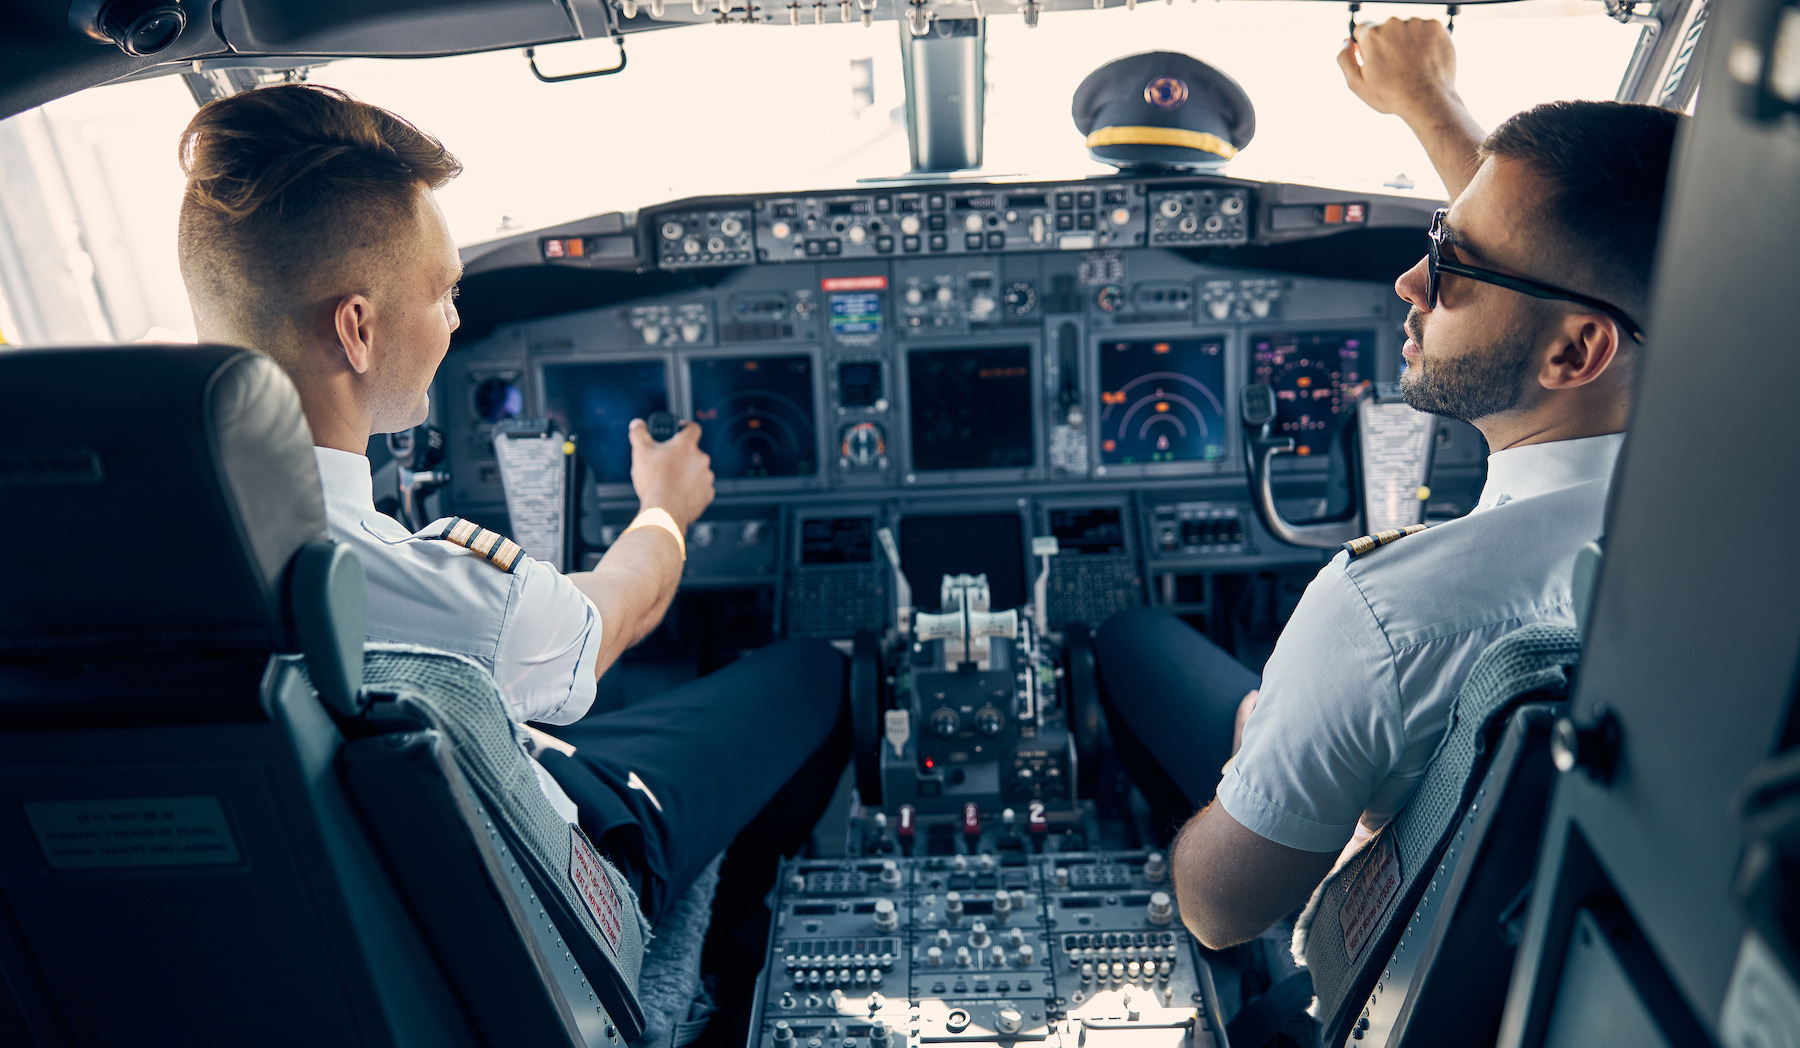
1435 264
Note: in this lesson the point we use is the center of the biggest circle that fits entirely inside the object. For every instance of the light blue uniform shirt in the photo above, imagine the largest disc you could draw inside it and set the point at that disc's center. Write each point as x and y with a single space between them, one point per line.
1357 695
531 628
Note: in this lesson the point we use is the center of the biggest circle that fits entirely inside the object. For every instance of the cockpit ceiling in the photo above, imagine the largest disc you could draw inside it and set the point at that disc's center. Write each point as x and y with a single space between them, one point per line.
43 58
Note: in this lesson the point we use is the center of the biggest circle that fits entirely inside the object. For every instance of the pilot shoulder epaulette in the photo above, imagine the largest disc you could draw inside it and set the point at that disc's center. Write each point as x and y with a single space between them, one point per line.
495 548
1358 547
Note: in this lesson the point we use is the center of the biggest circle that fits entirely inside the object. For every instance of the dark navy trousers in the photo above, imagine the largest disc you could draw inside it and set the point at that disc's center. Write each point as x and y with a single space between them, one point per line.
751 753
1171 697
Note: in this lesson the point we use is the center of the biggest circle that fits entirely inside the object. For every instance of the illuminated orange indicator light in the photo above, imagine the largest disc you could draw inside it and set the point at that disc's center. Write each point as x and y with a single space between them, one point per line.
577 247
1109 445
1303 450
1304 382
756 423
1162 405
1160 347
1112 398
749 365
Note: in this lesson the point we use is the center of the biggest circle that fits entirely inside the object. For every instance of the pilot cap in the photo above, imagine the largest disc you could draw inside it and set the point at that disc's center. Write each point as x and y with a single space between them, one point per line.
1162 109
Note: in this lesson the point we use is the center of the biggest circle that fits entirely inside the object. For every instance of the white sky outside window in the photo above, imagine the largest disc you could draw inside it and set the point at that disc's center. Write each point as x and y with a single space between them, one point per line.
731 109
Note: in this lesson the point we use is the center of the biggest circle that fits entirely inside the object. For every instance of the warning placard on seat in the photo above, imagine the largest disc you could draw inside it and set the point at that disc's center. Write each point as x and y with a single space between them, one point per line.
596 889
1375 888
137 831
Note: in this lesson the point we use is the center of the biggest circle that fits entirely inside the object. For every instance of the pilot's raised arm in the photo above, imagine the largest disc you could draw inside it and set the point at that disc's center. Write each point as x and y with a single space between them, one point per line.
637 578
1407 67
1522 324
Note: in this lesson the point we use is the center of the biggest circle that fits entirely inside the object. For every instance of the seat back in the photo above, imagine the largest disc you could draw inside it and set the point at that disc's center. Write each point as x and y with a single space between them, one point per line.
180 861
1359 915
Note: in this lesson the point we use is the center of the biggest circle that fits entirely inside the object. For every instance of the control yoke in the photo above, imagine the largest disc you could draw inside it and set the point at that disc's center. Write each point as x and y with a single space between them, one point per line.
1392 461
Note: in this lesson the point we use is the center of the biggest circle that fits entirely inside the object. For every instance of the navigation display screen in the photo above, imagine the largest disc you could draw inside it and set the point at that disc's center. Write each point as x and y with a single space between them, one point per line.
1162 401
597 402
856 312
991 544
971 408
756 415
1317 377
837 540
1085 532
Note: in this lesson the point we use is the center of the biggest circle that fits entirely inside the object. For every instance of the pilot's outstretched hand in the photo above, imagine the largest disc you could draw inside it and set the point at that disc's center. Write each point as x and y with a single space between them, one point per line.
675 475
1407 67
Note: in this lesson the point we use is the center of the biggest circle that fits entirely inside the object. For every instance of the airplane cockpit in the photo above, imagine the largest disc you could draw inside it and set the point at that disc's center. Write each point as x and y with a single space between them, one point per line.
965 399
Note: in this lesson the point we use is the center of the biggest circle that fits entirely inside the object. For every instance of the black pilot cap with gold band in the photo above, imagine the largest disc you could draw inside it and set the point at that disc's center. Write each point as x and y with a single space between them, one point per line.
1162 109
497 549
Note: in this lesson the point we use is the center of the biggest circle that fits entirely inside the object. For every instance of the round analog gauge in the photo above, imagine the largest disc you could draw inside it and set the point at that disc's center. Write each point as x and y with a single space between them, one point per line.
497 399
863 445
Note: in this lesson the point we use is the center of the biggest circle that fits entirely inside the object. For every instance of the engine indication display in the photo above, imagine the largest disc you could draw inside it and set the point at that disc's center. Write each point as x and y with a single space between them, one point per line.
1162 401
756 415
1317 377
971 408
598 401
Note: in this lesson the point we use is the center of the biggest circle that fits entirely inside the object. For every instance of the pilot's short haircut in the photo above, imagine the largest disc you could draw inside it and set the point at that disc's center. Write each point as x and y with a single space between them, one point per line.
291 191
1609 165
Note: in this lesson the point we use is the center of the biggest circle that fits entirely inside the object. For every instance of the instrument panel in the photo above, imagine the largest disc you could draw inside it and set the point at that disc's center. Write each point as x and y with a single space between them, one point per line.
996 948
1068 356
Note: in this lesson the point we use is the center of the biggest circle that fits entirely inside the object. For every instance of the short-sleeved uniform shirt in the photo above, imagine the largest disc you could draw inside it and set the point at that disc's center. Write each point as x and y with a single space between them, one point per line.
1357 695
530 627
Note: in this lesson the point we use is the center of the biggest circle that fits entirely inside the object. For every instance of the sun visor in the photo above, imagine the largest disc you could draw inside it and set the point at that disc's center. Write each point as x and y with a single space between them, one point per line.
403 28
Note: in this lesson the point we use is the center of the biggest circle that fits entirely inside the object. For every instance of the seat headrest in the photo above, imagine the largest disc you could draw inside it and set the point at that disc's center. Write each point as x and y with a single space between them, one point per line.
154 496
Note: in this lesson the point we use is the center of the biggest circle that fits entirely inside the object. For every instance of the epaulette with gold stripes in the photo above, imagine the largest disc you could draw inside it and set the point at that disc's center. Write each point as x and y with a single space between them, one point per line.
497 549
1358 547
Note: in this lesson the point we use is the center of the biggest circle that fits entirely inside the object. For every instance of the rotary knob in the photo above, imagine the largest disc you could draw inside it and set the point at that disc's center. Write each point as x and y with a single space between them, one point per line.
1009 1020
945 722
1110 298
1160 910
731 227
914 296
909 224
989 721
886 919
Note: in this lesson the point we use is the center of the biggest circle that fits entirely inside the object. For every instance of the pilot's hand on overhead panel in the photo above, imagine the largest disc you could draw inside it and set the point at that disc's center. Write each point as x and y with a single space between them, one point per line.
1404 66
675 475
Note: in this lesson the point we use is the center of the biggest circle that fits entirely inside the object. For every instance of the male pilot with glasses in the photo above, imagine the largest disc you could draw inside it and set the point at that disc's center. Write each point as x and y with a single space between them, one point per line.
1525 323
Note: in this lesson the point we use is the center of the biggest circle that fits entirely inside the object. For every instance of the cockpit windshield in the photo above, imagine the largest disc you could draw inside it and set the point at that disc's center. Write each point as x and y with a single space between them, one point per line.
731 108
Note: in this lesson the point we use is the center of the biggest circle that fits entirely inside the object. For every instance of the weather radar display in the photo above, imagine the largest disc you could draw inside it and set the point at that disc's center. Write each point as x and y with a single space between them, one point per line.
1161 401
756 415
1317 377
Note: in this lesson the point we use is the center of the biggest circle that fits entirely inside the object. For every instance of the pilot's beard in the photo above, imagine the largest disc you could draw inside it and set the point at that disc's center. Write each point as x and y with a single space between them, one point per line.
1474 385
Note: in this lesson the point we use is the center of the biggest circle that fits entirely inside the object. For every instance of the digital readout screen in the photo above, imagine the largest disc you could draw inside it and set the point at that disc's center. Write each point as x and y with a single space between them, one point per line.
756 415
971 408
1088 531
597 402
837 540
1162 401
856 312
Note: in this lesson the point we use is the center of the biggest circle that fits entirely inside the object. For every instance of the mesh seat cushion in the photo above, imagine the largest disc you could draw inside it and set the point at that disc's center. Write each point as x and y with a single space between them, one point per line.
460 699
1531 660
